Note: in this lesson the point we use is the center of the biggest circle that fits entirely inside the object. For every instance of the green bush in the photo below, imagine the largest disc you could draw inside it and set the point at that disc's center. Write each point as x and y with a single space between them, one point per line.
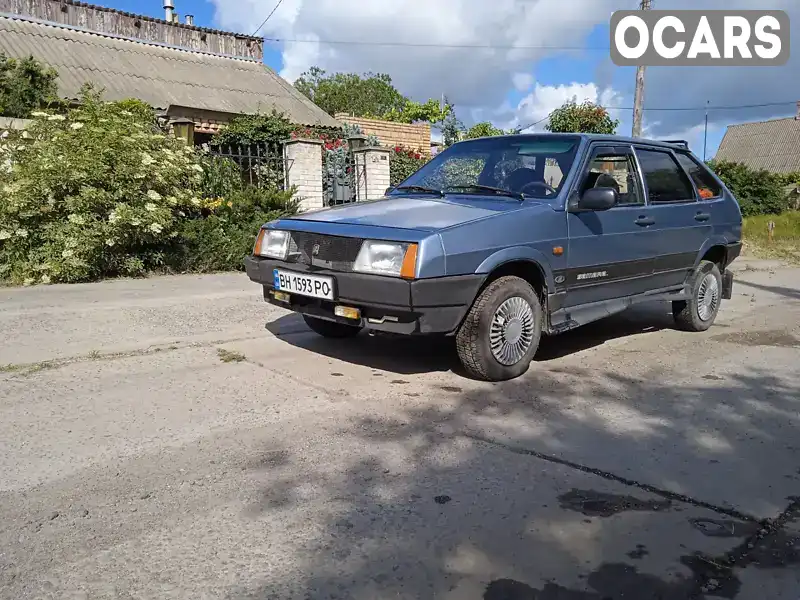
759 192
403 163
25 85
221 240
101 191
95 192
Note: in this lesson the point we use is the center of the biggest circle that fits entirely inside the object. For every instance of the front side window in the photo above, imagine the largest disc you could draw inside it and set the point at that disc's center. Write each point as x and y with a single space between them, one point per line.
532 165
705 183
666 181
614 170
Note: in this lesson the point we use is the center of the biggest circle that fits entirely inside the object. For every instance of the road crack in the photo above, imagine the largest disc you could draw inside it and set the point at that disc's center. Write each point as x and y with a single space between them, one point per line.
646 487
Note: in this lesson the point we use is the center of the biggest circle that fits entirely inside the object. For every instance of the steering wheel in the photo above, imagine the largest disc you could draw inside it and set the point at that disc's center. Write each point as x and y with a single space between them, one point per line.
546 186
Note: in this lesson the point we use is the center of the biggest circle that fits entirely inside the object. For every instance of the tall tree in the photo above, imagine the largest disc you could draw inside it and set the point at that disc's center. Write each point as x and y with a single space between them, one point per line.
369 95
587 117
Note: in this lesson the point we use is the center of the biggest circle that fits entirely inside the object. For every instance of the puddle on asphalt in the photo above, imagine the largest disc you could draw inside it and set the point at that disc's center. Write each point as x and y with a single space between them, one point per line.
598 504
775 338
724 528
617 580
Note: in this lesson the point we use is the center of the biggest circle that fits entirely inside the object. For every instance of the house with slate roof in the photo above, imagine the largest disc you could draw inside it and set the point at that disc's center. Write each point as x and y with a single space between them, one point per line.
182 70
772 145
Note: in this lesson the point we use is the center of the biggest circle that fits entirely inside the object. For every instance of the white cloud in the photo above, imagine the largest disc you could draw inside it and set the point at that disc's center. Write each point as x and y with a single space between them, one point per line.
478 81
471 78
522 81
545 98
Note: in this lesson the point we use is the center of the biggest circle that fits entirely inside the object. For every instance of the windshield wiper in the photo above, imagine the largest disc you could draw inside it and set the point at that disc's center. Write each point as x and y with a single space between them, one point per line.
421 188
488 188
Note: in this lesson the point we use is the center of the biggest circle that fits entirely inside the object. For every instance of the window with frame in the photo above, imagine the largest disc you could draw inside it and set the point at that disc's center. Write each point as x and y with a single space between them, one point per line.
707 186
666 181
617 171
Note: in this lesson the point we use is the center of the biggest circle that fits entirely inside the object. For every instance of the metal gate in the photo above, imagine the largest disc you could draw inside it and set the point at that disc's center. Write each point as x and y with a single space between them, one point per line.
344 177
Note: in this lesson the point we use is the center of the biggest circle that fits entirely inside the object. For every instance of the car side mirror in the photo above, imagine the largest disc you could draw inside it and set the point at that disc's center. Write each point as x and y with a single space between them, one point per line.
601 198
389 190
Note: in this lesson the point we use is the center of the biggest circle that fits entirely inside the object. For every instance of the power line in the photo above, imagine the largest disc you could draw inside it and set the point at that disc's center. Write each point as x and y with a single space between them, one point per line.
269 16
707 107
682 108
429 45
535 124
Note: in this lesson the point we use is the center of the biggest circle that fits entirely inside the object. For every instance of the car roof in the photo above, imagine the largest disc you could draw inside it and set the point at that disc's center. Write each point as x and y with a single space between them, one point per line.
598 137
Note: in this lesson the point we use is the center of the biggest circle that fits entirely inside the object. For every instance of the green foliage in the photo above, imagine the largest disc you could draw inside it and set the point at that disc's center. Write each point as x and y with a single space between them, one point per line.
25 85
372 95
221 240
403 162
350 92
758 192
412 112
102 192
587 117
484 129
268 129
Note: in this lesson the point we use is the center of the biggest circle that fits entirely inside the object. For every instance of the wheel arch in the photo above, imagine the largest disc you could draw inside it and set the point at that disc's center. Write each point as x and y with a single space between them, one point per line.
714 249
522 259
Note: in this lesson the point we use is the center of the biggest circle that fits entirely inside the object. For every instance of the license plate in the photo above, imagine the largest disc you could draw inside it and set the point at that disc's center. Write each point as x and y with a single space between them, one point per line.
316 286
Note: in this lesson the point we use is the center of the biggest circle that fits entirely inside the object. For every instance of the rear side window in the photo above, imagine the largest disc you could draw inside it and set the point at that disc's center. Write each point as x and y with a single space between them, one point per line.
666 181
705 183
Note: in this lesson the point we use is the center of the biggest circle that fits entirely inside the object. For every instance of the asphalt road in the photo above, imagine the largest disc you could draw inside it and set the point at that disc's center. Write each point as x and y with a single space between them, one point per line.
178 438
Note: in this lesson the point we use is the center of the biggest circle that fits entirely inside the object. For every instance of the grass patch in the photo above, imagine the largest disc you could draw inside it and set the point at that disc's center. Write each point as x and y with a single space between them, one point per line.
786 236
27 369
228 356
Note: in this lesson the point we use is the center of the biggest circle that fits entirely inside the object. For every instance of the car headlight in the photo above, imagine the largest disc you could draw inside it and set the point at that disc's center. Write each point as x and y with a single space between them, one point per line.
272 243
398 259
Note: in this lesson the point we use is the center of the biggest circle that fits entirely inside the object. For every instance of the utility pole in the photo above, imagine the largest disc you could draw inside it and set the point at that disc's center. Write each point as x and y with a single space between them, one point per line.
705 133
638 99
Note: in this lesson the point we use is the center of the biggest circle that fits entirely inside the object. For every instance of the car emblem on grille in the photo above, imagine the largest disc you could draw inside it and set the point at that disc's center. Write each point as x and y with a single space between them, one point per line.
315 250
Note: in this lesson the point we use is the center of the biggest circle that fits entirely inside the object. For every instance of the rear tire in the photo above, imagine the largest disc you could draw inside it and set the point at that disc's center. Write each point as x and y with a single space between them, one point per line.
331 329
501 332
701 310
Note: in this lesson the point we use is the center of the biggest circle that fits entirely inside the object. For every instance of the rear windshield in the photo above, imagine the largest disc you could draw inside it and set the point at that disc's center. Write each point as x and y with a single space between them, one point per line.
536 166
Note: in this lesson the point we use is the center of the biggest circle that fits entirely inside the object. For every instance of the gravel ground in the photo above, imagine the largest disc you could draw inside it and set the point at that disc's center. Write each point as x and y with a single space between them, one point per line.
178 438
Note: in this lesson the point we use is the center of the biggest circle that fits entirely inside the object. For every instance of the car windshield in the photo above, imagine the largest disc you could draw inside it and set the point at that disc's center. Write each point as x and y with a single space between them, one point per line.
515 166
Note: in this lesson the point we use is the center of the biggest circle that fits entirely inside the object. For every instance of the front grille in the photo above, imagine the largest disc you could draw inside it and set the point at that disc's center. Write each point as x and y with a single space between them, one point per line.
326 251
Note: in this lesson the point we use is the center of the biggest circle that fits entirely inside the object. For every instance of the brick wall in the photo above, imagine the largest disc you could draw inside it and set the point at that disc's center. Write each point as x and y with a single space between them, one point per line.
417 136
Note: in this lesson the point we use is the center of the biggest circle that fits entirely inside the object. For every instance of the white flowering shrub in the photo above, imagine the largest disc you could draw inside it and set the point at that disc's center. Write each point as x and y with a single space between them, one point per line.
100 191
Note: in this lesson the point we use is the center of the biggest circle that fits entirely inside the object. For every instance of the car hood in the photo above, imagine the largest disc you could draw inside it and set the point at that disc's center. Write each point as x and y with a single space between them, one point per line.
414 212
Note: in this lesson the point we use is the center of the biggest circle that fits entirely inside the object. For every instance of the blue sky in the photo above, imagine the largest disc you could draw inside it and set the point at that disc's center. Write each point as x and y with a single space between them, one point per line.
505 87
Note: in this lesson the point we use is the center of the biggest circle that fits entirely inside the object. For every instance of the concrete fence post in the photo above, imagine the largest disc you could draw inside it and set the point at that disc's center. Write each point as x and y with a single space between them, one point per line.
303 167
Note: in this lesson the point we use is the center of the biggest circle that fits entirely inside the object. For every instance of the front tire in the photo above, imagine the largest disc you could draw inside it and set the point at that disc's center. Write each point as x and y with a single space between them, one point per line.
501 332
701 310
331 329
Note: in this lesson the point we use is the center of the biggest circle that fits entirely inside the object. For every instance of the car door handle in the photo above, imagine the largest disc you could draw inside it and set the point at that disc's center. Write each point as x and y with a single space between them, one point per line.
645 221
701 216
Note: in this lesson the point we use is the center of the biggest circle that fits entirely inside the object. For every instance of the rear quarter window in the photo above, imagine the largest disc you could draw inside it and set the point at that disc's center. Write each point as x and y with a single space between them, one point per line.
705 183
666 181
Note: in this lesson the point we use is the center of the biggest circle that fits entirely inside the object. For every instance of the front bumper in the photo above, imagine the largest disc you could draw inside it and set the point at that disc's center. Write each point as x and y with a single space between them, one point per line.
388 304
